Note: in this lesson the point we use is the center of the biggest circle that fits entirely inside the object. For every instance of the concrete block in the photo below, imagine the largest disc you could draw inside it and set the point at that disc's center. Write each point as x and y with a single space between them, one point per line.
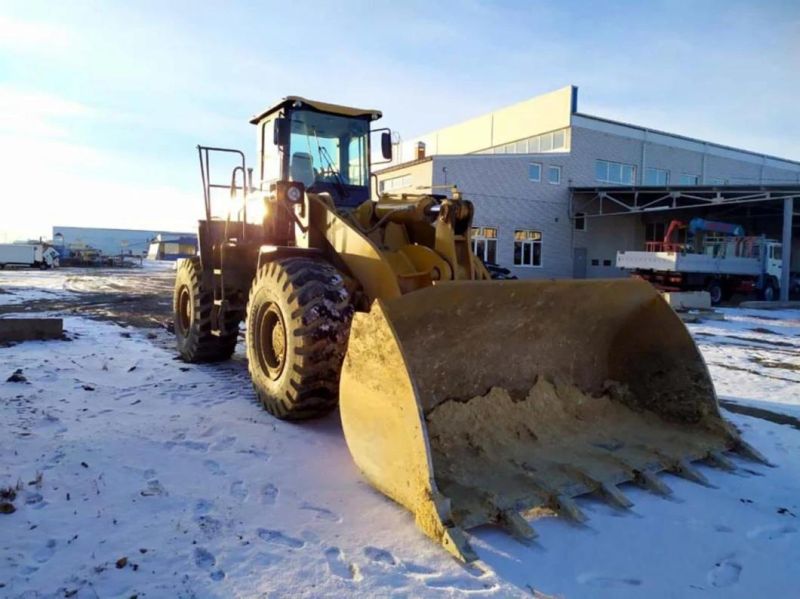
688 300
27 329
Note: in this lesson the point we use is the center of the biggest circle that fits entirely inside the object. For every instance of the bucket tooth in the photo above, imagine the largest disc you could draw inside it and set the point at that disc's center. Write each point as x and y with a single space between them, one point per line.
683 469
651 482
716 459
565 506
554 500
614 496
744 449
516 526
455 542
609 492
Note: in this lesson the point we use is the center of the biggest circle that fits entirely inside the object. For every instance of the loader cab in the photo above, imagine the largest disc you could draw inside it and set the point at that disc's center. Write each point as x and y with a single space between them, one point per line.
323 146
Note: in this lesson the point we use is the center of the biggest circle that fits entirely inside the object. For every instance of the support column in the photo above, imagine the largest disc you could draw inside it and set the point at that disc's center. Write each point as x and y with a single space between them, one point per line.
786 241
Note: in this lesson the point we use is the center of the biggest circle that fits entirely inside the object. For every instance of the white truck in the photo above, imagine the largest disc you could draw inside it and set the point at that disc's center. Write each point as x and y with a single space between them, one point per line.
28 254
722 267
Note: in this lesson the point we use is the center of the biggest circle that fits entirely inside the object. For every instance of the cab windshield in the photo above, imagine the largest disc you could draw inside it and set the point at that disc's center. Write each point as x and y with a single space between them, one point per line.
329 153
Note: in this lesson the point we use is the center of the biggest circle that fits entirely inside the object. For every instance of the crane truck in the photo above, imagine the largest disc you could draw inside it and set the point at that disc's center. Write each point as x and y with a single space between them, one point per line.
713 256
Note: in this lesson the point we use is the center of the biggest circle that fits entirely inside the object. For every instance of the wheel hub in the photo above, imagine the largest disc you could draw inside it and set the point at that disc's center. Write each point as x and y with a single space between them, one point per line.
184 320
271 349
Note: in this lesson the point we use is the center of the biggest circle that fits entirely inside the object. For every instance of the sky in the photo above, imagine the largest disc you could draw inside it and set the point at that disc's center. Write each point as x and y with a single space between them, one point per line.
103 103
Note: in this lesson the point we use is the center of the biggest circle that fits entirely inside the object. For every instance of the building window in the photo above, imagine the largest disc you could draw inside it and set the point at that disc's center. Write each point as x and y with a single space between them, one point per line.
394 183
687 179
559 140
656 176
606 262
535 172
614 172
527 248
654 232
555 141
595 262
580 221
484 244
554 175
716 181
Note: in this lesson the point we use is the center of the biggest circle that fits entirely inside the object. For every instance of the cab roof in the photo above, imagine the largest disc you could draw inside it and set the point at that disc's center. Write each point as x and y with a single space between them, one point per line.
320 107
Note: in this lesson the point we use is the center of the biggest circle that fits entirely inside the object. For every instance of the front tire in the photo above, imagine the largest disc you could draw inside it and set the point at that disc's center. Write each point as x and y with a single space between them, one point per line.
298 323
192 305
770 292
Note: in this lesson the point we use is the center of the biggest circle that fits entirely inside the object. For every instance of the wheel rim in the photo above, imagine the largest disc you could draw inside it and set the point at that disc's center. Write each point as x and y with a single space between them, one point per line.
769 293
271 346
716 294
184 319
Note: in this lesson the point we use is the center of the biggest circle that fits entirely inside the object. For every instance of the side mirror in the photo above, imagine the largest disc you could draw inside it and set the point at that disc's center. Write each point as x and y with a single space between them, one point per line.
386 145
281 132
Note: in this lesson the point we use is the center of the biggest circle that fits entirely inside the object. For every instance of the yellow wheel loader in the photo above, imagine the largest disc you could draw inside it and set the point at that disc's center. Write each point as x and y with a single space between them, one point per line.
468 401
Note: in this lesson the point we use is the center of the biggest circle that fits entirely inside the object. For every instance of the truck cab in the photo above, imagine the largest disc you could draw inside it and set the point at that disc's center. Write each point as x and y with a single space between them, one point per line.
773 259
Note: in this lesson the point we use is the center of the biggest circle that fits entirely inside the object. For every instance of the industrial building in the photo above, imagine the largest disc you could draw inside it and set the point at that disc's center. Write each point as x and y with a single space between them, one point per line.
122 242
557 192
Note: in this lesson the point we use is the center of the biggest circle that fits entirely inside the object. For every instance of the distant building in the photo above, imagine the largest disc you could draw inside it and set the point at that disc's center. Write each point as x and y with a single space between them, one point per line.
168 247
117 242
558 192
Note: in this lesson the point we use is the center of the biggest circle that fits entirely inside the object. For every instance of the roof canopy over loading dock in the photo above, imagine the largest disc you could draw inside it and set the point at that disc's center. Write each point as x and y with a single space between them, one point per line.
594 202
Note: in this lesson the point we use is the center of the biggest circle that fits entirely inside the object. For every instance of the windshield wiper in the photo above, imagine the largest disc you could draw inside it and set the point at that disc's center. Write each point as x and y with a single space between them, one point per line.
325 155
338 178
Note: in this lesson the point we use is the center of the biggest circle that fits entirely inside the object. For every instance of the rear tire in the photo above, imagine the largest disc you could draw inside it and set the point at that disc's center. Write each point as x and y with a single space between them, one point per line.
298 323
192 306
716 292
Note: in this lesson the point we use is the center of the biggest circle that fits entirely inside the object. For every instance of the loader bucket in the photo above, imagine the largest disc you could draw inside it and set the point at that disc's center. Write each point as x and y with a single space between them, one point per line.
473 402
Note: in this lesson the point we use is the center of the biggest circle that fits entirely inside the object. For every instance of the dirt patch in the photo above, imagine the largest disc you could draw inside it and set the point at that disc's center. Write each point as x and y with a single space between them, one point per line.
763 414
775 364
138 298
764 331
751 371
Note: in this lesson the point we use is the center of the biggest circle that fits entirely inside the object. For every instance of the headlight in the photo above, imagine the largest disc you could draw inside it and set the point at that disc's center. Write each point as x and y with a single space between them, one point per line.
294 194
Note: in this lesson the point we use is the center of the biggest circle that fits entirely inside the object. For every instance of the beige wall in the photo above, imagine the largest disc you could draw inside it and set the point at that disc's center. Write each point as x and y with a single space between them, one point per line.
538 115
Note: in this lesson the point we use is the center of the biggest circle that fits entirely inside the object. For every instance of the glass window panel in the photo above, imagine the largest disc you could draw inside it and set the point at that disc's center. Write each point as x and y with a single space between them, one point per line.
522 147
627 174
535 172
554 175
601 170
526 253
558 140
537 254
500 150
491 251
614 172
533 145
510 148
517 253
546 142
480 248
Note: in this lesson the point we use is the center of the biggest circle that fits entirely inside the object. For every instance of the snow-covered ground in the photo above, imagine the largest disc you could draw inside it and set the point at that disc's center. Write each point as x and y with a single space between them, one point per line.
143 476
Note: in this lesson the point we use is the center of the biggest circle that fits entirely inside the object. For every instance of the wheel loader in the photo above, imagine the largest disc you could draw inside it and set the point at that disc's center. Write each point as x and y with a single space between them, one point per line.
468 400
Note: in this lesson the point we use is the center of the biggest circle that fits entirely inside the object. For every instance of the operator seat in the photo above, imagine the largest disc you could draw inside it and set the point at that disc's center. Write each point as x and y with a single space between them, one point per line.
301 168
